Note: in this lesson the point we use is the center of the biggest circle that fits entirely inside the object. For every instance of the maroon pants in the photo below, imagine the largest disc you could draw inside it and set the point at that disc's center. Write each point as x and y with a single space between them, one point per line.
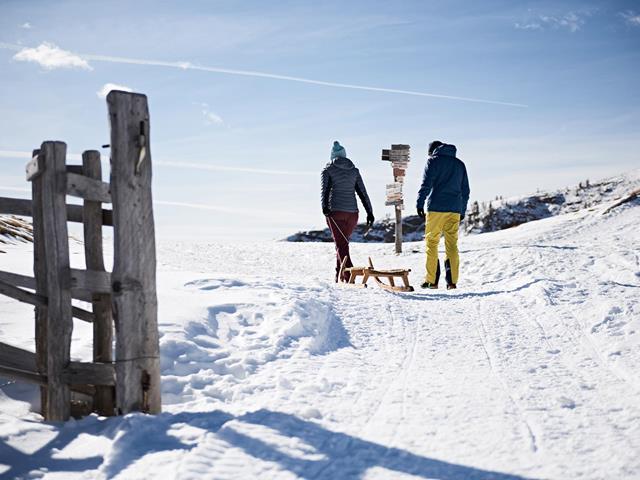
341 225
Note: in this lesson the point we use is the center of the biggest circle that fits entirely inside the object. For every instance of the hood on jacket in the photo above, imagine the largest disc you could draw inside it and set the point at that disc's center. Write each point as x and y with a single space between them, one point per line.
343 162
445 150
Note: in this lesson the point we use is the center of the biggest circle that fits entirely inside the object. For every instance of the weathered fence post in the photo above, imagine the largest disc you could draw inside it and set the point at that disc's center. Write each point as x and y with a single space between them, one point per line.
39 272
59 311
103 323
134 298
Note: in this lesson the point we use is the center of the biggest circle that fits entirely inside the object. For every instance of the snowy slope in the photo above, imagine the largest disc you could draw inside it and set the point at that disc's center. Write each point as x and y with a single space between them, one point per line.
529 370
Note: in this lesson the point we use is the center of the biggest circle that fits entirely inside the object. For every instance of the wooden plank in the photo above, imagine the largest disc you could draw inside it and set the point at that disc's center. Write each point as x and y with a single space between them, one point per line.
134 296
77 169
15 357
82 314
39 301
40 278
17 280
34 377
90 373
15 206
22 207
22 375
21 295
88 188
90 280
59 315
104 399
81 294
20 364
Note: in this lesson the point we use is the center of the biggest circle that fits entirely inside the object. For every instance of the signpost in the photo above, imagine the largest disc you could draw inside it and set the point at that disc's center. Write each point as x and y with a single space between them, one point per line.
399 156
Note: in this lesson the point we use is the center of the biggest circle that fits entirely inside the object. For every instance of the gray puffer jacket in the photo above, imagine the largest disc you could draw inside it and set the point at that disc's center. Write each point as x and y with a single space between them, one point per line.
341 181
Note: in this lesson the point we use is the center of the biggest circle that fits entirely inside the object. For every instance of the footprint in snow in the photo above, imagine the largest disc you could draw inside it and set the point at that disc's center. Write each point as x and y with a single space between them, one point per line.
566 402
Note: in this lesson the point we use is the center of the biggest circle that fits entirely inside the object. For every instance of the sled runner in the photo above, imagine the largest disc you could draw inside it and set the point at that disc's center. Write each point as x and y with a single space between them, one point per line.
371 272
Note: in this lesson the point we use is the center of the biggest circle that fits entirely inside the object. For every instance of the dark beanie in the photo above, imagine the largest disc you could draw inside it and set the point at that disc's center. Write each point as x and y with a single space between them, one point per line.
433 145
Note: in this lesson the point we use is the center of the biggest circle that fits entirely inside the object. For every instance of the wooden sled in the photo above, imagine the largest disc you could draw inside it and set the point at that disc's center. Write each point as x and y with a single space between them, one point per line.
371 272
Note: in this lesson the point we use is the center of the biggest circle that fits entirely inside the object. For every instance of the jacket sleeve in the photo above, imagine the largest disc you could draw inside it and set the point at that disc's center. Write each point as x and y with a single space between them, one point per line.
362 193
325 189
465 192
427 185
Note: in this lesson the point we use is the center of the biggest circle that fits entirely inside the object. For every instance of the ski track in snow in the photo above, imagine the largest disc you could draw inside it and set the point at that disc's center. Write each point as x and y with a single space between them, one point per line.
528 370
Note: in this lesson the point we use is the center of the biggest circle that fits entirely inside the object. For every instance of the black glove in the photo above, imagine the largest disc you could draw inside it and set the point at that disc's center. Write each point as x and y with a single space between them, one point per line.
421 213
325 211
461 217
370 219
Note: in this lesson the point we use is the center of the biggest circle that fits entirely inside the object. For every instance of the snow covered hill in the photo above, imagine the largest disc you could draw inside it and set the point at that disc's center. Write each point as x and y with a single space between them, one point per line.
491 216
529 370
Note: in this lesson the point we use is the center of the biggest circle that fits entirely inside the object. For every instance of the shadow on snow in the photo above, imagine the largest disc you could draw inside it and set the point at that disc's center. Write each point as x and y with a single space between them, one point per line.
134 436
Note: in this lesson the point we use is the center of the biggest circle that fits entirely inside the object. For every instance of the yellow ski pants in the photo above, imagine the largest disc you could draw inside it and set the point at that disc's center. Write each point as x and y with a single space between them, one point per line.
439 223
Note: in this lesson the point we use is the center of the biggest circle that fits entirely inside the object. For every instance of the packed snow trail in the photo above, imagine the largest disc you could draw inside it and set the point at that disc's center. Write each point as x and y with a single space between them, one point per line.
529 370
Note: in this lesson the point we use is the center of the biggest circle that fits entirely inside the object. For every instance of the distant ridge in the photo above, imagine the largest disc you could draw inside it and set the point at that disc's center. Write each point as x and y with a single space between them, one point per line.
498 214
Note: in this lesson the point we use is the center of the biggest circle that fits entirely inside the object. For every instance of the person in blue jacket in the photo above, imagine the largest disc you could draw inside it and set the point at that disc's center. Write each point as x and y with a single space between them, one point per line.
445 189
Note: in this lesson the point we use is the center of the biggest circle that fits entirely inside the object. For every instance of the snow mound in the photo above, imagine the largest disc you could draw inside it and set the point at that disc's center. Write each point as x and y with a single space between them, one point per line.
238 328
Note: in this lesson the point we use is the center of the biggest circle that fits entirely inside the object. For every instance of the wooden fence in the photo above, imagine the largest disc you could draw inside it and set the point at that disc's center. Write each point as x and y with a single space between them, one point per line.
126 297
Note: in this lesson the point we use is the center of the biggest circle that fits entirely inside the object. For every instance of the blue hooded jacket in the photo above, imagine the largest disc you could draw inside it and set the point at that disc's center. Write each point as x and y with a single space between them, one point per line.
445 185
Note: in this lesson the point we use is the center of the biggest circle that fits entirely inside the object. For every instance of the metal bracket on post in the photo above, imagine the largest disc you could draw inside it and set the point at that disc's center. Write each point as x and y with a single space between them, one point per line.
142 145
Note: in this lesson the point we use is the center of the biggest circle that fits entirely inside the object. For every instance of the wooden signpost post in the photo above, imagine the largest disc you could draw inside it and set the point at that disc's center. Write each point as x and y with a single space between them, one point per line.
399 156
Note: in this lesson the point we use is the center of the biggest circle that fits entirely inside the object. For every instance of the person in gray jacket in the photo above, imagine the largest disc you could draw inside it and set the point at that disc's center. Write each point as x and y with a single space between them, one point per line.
341 181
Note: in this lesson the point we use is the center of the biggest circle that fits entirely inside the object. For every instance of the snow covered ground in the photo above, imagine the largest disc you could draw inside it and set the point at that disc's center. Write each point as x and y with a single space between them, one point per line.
529 370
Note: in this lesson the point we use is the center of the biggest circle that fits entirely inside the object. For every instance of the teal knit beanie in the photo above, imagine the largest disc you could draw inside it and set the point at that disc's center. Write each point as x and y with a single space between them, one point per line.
338 151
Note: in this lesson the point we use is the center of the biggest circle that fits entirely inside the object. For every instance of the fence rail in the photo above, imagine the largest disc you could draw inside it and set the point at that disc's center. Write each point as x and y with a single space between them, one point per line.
110 384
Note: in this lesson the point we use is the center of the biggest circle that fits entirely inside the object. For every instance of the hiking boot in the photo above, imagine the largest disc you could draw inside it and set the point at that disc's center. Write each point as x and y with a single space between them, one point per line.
451 286
432 286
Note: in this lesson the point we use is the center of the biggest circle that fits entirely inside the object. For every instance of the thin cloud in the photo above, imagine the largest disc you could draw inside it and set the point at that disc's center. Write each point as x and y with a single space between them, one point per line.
225 168
249 212
210 118
107 87
50 57
249 73
15 189
571 21
15 154
26 26
631 18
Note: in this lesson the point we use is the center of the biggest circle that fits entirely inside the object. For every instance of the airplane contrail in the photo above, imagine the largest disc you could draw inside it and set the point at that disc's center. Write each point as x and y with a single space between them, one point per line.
250 73
225 168
218 208
15 154
190 205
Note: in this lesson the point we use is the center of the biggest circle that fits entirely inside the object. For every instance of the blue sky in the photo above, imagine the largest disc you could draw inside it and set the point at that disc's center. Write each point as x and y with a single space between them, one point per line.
239 155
